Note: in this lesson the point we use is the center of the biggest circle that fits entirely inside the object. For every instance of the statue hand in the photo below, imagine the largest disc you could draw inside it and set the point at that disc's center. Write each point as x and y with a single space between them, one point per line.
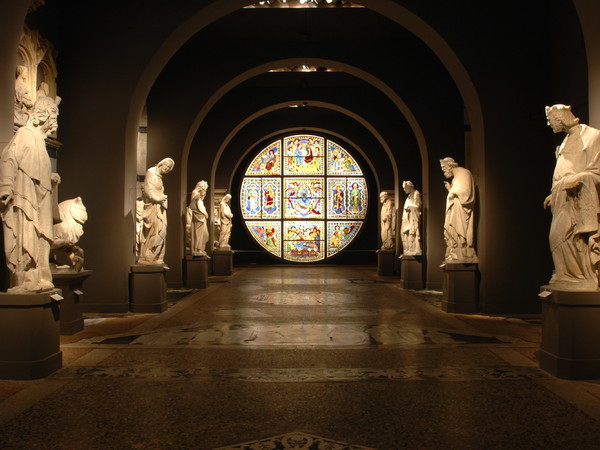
573 185
5 198
55 179
547 201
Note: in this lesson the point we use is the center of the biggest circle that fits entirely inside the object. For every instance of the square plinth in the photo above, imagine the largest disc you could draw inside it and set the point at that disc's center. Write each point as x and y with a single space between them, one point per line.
222 262
195 272
411 272
385 262
460 288
29 335
71 285
570 334
148 289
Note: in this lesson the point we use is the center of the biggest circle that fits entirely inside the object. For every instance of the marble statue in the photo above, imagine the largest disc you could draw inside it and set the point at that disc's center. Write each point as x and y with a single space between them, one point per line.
574 232
459 221
43 90
154 216
73 214
26 185
23 98
411 221
225 217
199 220
388 223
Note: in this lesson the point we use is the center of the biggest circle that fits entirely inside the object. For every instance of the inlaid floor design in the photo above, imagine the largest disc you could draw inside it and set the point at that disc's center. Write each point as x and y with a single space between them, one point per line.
301 358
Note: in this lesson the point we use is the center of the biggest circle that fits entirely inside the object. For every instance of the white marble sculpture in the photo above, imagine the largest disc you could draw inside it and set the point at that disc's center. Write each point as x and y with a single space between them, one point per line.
388 222
225 216
198 220
574 232
23 97
73 214
411 221
154 216
459 221
26 185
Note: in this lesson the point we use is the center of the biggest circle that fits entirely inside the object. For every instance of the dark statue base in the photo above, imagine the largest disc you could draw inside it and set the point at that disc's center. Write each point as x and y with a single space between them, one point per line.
460 288
222 262
148 289
411 272
195 272
29 335
385 262
570 334
71 285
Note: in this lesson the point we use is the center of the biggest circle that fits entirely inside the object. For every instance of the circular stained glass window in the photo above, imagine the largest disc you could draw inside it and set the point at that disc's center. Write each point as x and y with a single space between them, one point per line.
304 198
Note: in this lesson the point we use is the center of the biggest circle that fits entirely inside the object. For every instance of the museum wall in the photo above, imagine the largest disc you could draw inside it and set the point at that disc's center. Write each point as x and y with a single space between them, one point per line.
512 60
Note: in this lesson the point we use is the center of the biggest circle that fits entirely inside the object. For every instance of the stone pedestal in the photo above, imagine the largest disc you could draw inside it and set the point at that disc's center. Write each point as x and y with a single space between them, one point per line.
195 272
71 285
411 272
29 335
570 333
460 288
148 289
385 262
222 262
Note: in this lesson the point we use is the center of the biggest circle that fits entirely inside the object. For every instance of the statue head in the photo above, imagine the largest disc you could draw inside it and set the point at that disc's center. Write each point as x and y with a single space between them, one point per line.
383 196
408 186
165 166
21 72
45 114
226 198
200 189
560 118
448 165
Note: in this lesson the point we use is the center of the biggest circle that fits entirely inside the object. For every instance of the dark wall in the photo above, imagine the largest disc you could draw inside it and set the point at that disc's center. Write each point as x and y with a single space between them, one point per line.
519 55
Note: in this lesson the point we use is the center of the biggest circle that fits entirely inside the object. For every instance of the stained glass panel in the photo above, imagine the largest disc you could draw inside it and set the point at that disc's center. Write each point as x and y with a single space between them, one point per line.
321 196
303 198
304 155
271 198
267 162
339 161
340 234
357 198
268 234
250 197
303 241
337 194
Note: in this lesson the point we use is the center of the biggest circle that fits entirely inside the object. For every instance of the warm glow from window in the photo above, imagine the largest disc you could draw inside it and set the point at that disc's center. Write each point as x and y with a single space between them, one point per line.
304 198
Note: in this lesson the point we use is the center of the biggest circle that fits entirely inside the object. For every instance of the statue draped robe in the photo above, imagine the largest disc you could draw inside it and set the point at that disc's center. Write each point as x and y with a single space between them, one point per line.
458 225
574 236
25 169
411 218
154 217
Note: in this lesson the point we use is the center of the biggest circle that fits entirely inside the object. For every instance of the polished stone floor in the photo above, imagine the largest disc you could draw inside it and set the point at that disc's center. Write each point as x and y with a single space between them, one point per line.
301 358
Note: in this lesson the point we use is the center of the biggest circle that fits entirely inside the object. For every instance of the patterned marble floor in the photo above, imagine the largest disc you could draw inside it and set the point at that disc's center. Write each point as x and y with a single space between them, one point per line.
301 358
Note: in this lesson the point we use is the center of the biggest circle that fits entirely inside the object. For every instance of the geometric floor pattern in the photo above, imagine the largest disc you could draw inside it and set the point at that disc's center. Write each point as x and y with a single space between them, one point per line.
340 354
297 441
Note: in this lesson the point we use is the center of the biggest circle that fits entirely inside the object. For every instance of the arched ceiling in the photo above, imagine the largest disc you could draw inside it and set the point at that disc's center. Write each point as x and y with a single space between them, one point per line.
219 78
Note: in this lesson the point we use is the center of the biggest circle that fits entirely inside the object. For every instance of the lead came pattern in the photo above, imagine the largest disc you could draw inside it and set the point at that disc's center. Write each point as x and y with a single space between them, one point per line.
267 162
304 155
318 209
